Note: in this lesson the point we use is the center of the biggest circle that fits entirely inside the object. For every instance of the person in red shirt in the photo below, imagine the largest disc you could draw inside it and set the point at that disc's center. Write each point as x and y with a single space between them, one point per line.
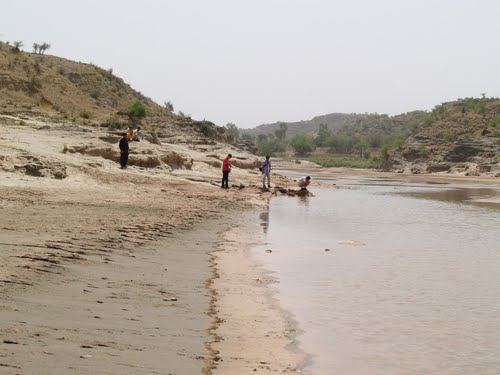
226 168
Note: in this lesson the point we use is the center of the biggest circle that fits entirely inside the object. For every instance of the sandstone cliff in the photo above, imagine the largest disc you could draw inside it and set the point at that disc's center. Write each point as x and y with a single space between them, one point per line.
456 137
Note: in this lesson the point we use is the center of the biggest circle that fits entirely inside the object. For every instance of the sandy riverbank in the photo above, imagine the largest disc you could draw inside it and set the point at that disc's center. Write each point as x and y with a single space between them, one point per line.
118 285
105 270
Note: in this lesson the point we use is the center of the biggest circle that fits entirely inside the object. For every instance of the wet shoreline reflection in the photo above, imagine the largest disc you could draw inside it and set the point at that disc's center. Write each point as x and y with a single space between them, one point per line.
473 196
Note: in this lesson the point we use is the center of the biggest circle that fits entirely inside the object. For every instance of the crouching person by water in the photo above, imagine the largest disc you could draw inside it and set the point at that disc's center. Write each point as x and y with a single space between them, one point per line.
226 168
304 182
123 151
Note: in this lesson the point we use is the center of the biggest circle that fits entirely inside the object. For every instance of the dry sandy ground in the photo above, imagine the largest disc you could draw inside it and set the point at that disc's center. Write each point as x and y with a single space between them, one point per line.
109 271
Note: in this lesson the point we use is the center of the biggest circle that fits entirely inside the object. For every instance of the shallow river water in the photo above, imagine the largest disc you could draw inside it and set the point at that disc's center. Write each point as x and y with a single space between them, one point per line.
389 277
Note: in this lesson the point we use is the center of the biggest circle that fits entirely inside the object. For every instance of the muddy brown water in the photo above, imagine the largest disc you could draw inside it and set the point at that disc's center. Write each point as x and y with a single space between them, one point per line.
386 276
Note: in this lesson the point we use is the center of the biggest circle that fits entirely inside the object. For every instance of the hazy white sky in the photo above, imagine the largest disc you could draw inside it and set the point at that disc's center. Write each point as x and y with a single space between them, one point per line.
259 61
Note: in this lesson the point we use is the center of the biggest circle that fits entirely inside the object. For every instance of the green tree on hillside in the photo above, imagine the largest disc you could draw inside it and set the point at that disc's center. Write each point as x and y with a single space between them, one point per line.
169 106
40 48
138 109
17 45
43 47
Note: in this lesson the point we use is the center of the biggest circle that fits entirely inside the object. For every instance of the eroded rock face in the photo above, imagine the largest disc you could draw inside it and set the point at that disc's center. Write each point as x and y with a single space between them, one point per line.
246 163
146 158
470 156
33 166
464 150
176 161
438 167
242 163
53 170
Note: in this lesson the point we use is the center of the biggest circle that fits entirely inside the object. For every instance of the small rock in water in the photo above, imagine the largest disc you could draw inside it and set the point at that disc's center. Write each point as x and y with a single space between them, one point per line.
269 251
327 249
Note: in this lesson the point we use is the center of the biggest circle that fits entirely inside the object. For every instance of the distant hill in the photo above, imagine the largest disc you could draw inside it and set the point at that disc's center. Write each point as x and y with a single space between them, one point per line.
461 136
333 120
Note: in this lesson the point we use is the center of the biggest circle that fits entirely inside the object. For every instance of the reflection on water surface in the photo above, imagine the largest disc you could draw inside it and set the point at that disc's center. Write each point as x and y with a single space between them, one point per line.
422 296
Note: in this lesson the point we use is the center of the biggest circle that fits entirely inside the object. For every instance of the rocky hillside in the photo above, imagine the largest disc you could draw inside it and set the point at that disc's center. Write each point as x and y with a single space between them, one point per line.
61 90
461 136
62 118
53 86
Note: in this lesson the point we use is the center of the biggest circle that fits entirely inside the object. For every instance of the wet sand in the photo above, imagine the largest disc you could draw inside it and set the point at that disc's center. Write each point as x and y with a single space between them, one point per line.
252 333
140 312
107 270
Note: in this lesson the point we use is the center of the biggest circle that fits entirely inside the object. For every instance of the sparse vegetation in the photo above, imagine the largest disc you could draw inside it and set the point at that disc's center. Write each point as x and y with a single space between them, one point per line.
40 48
232 132
423 151
18 44
495 122
85 114
43 47
448 136
37 67
137 109
207 130
34 84
169 106
339 160
95 94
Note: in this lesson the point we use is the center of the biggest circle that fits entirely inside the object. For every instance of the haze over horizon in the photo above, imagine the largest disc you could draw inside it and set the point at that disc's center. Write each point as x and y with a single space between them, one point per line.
259 62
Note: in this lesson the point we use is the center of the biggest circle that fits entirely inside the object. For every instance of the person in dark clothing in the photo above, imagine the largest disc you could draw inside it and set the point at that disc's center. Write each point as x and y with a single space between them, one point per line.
226 168
124 151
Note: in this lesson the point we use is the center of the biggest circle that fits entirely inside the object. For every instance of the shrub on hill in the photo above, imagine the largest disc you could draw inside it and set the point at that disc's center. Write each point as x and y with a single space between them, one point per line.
138 109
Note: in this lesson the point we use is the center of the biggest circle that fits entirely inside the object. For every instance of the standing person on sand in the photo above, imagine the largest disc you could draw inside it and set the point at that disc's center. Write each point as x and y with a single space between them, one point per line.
226 168
124 151
266 172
